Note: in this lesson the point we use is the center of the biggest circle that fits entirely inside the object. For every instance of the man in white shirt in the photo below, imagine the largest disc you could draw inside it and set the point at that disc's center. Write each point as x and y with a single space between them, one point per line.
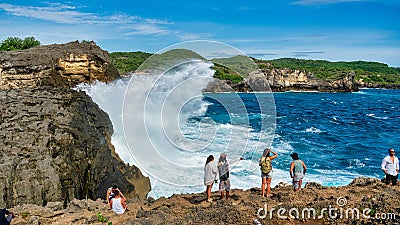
390 165
117 203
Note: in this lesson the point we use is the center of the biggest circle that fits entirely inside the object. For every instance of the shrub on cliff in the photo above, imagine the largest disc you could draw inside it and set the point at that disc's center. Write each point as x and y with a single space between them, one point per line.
16 43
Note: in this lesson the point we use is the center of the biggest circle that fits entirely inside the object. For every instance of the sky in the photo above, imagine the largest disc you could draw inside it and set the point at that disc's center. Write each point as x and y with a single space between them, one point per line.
341 30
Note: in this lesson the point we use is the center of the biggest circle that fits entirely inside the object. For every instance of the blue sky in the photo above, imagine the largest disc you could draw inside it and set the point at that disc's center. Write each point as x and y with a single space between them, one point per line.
341 30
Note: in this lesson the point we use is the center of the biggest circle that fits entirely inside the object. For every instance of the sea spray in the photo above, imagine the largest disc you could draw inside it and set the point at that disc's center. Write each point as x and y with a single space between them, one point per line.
329 161
174 124
169 127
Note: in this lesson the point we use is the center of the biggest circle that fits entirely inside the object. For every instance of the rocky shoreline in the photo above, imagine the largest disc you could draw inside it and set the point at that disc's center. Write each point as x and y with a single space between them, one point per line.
370 196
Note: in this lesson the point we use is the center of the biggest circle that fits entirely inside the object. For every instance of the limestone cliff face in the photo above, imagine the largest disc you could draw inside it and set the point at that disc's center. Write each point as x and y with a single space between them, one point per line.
55 143
55 146
55 65
286 80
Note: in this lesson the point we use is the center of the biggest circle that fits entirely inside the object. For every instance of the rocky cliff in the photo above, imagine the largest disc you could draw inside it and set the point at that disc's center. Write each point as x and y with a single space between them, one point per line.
55 142
55 65
381 203
278 80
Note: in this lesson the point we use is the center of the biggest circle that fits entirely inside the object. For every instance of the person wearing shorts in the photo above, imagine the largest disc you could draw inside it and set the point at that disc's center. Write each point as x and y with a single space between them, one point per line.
266 178
297 171
223 171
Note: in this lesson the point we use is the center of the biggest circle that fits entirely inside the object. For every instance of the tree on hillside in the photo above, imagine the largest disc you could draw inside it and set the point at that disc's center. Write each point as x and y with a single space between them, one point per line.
16 43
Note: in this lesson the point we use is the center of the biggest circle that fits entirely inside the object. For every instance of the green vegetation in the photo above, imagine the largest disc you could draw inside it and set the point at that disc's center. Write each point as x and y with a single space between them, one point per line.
371 72
16 43
169 59
242 65
237 67
224 73
128 61
25 215
101 218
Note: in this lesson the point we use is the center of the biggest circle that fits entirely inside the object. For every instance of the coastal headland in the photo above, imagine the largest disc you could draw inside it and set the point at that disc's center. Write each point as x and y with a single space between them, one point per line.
57 158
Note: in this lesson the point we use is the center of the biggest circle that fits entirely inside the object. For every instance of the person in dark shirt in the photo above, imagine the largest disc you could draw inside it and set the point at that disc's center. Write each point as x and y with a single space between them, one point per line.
6 217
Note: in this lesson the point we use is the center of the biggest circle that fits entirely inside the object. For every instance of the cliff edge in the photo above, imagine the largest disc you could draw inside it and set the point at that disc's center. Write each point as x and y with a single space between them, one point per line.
55 142
57 65
376 204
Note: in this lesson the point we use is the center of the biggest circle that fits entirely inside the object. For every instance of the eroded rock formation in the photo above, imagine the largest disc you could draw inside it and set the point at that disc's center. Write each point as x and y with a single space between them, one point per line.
55 65
277 80
55 142
242 208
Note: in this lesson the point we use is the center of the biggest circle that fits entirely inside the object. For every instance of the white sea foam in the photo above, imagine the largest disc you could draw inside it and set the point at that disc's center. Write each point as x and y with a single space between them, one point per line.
377 117
244 175
356 163
313 130
181 144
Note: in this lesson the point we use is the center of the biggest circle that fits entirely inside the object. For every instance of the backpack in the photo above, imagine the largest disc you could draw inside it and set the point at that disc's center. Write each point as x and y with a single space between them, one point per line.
223 171
224 177
266 166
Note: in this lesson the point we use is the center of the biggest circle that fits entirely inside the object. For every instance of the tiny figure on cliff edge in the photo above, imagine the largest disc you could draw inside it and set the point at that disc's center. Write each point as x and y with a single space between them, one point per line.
210 175
117 203
111 194
390 166
6 217
266 168
223 170
297 171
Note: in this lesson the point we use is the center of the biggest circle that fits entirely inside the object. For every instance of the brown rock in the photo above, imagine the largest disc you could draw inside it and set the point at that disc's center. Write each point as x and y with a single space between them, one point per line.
241 208
55 145
278 80
55 65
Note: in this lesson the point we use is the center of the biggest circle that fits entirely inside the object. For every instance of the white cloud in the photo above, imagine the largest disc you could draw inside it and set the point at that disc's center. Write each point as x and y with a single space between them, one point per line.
66 14
57 13
69 15
146 29
192 36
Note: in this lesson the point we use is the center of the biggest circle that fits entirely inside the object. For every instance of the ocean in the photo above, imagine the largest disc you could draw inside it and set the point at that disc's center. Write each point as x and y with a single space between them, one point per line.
339 136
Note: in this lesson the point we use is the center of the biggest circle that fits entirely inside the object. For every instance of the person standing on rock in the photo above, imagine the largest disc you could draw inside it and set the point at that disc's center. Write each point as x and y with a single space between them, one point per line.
390 166
223 171
266 168
117 203
111 194
6 217
210 175
297 171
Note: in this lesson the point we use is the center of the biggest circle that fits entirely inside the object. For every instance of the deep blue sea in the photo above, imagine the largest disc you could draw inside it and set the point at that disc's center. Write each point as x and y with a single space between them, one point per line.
340 136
